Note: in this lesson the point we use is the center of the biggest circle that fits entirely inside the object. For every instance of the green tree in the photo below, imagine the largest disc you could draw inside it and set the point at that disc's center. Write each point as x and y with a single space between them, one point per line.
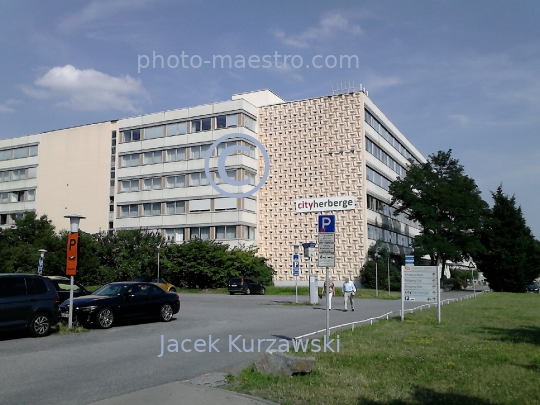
511 260
19 246
367 274
447 205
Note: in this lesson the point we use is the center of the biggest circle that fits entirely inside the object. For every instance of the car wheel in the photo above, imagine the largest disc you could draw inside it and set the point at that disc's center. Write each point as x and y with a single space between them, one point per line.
166 313
248 291
172 289
105 318
262 291
40 325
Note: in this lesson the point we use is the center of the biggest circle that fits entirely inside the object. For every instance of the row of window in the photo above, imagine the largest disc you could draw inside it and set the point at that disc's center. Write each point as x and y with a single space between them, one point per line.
377 178
17 196
181 207
186 127
374 204
18 174
384 157
392 140
181 181
376 233
18 153
225 232
179 154
9 219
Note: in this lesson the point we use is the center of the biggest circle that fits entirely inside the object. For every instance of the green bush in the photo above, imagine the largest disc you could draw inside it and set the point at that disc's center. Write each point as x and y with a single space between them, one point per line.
367 276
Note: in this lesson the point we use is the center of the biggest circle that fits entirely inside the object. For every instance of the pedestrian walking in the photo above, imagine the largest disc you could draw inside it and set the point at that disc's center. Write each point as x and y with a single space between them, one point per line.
349 290
330 293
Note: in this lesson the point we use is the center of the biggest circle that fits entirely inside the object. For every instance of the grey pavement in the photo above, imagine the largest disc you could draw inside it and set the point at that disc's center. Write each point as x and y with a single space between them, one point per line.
184 393
203 390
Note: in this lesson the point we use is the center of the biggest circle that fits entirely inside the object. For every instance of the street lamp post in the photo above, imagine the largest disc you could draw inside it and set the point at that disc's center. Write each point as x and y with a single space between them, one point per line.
72 249
472 266
376 256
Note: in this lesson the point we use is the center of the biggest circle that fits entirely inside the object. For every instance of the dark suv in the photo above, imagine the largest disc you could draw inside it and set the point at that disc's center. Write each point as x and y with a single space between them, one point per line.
245 286
28 302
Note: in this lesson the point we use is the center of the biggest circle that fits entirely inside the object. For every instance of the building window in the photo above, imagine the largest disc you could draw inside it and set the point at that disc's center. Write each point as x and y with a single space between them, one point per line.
201 233
152 184
131 210
179 128
20 153
199 151
5 154
175 155
176 207
176 235
152 209
131 135
223 145
250 123
31 195
225 121
3 198
33 151
153 132
250 177
226 232
4 176
231 174
18 174
17 196
152 157
175 181
203 124
198 179
131 160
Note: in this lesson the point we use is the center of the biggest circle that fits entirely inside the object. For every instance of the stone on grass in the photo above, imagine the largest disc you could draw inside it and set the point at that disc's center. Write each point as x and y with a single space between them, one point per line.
283 364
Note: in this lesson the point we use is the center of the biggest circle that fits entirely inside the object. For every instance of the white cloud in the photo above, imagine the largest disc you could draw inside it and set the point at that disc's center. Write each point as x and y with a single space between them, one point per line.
327 28
97 11
462 119
6 106
88 89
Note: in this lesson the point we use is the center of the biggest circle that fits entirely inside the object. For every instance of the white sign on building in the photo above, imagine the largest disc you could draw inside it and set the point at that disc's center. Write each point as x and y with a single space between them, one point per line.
325 204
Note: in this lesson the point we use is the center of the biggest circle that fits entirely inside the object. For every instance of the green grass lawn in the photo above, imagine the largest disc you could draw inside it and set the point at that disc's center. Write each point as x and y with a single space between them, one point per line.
485 351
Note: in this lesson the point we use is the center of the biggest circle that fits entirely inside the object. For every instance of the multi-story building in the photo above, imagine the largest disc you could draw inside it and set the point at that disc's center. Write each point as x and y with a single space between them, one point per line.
334 154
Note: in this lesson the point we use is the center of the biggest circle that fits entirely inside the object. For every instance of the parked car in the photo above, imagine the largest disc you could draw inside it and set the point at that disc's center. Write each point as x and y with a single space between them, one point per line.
63 285
162 283
533 288
28 302
123 301
245 286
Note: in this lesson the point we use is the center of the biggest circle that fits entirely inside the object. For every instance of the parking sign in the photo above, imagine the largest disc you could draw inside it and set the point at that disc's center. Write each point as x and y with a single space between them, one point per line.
327 223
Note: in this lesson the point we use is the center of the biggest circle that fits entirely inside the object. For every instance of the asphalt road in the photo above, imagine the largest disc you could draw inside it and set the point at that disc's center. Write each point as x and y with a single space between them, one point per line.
79 369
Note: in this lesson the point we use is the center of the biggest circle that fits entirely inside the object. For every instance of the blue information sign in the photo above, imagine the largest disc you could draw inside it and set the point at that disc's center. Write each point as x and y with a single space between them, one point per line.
296 265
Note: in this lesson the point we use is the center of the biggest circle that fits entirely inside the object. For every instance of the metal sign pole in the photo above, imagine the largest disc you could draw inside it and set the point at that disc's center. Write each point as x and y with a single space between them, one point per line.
70 321
296 280
402 293
439 293
327 305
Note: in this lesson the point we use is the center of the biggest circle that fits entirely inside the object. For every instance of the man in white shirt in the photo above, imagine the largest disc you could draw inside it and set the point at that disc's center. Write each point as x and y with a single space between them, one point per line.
348 292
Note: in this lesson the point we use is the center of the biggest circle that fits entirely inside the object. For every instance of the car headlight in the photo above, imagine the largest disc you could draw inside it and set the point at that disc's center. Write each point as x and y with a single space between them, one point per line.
88 309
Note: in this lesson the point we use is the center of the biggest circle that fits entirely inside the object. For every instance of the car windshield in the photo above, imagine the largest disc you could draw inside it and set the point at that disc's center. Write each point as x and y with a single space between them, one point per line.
111 290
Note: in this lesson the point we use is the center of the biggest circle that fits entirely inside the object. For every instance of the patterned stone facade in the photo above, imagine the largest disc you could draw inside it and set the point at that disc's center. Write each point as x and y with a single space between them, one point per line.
316 149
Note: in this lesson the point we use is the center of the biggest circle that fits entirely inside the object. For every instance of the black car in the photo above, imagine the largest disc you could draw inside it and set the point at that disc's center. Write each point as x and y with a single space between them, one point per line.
123 301
63 285
245 286
533 288
28 302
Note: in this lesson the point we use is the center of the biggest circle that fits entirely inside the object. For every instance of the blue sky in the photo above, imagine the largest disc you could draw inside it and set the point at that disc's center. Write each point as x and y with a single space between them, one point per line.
460 75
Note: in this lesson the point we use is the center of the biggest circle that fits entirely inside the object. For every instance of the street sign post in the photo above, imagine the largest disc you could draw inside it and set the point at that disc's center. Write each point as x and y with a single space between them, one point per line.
296 271
421 284
327 255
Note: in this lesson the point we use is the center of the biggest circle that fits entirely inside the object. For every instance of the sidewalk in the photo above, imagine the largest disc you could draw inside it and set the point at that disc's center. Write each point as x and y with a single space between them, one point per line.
184 393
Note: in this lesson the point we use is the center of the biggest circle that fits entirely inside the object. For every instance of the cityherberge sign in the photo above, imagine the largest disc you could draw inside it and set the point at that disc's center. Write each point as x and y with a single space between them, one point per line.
325 204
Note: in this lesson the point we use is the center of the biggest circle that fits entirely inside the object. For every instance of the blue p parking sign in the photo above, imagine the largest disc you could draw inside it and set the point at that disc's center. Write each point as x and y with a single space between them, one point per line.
327 223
